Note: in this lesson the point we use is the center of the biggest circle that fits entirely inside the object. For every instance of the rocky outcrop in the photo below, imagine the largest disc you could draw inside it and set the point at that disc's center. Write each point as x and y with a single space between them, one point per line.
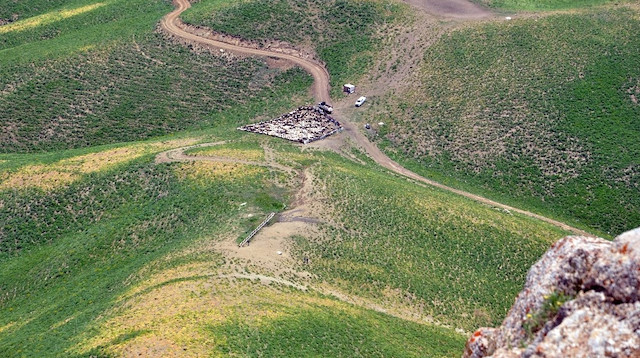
580 300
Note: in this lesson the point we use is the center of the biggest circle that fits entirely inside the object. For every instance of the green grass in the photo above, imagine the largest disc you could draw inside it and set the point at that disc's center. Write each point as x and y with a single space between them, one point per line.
104 253
82 257
455 260
87 24
78 260
71 252
76 257
319 330
540 111
36 7
102 75
344 33
143 89
240 149
550 307
542 4
92 228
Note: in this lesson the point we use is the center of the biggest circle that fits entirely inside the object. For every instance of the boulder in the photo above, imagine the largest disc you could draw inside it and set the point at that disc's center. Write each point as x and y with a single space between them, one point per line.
580 300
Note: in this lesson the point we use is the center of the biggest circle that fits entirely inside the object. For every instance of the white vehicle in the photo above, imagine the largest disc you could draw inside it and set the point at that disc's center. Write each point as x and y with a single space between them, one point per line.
360 101
325 107
349 88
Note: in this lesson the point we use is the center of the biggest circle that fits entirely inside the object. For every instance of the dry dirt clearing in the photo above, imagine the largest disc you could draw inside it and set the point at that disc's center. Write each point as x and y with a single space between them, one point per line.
269 251
300 219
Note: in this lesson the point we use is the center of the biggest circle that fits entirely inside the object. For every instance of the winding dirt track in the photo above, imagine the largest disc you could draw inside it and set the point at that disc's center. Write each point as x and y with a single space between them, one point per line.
171 23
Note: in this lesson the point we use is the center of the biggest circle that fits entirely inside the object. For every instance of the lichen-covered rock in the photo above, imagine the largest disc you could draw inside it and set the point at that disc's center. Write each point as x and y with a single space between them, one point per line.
600 282
619 272
481 343
593 327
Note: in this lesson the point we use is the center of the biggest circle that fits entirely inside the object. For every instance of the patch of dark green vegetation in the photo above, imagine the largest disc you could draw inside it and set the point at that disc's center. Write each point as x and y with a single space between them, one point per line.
342 32
550 307
317 331
543 112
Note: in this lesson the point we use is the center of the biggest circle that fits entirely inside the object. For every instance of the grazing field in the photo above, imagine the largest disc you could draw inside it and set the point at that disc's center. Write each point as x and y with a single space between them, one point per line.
78 276
109 246
542 113
19 10
343 33
69 251
139 90
54 29
236 150
456 261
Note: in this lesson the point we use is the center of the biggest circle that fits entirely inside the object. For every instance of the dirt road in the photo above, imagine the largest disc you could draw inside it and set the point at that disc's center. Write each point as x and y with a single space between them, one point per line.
447 8
456 9
171 23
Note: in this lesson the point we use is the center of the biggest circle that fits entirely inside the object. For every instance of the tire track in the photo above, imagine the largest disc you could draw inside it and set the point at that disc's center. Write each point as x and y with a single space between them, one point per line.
178 155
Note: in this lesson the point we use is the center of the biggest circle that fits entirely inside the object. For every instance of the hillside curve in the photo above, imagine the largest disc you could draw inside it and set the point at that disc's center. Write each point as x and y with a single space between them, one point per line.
321 86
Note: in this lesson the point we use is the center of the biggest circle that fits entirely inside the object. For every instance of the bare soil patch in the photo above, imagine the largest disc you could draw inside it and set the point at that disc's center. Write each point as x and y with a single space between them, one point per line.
263 249
455 9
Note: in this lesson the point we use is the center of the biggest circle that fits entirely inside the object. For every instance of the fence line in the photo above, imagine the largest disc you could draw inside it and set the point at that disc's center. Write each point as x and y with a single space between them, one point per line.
255 231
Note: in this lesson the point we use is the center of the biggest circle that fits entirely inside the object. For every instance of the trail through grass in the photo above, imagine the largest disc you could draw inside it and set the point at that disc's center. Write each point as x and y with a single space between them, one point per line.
86 73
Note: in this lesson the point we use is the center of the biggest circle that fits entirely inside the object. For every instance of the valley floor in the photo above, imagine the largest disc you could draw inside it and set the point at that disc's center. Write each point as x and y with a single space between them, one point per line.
131 249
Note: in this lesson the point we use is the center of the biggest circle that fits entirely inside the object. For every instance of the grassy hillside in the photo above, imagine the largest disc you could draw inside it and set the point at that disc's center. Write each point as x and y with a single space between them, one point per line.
70 249
104 76
93 235
343 33
19 10
106 253
542 4
447 257
52 29
541 110
218 317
